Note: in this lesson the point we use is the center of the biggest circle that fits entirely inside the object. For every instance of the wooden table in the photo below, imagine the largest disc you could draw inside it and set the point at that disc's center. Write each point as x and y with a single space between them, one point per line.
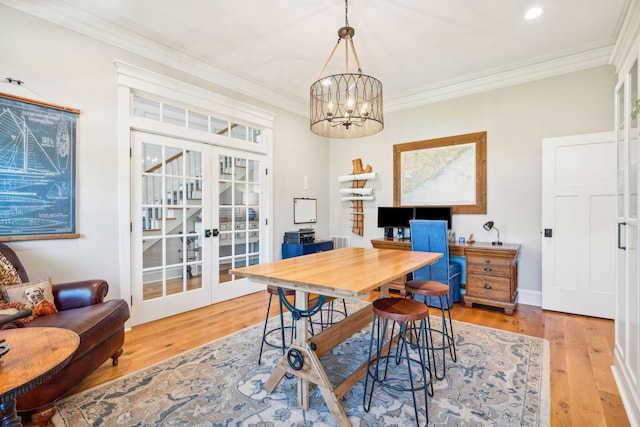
349 273
35 355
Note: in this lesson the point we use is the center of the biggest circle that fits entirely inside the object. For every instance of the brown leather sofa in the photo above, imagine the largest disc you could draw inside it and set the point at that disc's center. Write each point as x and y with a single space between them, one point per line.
100 325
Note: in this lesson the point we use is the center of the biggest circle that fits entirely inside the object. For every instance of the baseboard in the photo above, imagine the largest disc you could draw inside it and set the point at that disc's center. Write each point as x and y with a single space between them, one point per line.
626 394
530 297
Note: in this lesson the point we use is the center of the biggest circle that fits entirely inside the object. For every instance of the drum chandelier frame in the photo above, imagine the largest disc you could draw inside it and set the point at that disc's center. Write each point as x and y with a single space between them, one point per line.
347 105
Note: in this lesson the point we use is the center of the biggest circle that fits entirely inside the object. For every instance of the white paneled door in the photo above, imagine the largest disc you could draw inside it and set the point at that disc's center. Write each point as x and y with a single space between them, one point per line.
579 224
196 214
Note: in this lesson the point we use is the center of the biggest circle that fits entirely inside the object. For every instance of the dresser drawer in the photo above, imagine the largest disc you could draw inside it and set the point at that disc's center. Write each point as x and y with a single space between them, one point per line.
489 260
490 269
489 265
489 287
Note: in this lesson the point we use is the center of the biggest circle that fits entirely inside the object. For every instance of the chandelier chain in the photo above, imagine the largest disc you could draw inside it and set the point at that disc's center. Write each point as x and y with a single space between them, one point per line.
346 13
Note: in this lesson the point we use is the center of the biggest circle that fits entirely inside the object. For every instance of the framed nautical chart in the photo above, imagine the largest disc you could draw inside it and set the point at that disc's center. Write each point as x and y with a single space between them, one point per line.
449 171
37 170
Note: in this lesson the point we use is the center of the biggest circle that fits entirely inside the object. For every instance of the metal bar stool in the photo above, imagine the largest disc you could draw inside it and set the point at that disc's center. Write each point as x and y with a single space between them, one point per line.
273 290
430 289
328 315
407 315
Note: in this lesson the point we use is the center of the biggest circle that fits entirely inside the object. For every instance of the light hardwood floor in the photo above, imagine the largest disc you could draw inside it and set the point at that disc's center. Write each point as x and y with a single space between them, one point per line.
583 392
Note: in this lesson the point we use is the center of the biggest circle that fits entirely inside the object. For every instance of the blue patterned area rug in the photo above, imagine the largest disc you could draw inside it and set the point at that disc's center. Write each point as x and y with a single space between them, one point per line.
499 379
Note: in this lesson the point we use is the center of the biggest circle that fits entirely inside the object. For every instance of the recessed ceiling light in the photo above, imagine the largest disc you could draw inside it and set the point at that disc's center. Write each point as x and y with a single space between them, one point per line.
533 12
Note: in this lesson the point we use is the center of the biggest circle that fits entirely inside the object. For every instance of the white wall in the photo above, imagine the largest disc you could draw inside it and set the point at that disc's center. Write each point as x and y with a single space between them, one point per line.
66 68
516 120
297 153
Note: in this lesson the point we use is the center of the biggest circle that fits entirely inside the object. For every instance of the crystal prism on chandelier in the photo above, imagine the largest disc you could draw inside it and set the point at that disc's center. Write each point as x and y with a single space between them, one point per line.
346 105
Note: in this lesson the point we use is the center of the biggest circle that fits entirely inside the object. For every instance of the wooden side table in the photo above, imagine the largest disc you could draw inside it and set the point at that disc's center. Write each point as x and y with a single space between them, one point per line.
35 355
492 277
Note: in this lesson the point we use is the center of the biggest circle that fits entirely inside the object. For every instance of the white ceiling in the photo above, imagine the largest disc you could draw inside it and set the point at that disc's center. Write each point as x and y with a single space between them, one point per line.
421 50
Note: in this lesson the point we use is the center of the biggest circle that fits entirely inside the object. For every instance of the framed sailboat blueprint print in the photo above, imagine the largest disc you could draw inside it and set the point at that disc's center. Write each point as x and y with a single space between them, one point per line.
37 170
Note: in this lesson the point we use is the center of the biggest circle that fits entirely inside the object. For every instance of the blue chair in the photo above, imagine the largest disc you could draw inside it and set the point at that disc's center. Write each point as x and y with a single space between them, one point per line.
432 236
435 284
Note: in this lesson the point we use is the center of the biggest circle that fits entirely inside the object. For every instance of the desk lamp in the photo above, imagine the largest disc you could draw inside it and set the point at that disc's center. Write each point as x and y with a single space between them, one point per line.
489 226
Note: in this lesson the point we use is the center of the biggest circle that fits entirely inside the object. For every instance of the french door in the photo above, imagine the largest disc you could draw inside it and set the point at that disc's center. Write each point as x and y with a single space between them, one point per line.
627 325
196 214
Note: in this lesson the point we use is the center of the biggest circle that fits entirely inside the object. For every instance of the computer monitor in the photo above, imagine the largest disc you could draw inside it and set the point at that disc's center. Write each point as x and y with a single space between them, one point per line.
433 212
394 216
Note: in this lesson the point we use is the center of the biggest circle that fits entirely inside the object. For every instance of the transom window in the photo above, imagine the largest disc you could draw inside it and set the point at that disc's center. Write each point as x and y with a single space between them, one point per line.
178 116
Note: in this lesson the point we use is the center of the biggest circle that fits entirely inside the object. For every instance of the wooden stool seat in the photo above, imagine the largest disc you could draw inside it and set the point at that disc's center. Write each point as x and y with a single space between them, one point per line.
400 309
427 288
273 290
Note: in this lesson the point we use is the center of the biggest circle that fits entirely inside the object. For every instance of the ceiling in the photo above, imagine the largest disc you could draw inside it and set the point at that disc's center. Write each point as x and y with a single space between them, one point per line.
421 50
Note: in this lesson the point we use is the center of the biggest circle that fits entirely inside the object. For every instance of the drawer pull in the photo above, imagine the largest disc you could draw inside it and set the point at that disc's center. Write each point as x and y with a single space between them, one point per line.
487 261
488 269
487 286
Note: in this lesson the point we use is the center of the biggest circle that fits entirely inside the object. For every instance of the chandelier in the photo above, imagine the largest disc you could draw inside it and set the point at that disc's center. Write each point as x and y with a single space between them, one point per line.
346 105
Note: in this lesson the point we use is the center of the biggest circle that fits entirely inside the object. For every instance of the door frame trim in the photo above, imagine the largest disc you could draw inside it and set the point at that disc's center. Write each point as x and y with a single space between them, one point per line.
132 79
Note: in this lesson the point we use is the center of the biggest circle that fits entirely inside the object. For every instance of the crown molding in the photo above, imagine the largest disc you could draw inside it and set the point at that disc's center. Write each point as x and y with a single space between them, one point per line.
85 22
626 48
497 78
68 15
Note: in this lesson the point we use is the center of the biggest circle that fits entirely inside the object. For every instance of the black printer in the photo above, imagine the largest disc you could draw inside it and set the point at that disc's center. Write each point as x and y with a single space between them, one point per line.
304 235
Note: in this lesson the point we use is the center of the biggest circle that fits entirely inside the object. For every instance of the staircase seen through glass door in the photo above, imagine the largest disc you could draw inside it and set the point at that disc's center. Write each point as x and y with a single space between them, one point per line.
197 215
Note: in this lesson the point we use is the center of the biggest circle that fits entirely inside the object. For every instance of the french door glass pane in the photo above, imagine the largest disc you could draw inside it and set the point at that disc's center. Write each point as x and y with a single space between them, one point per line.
631 310
239 213
174 161
253 170
171 218
151 158
620 143
153 254
632 162
175 284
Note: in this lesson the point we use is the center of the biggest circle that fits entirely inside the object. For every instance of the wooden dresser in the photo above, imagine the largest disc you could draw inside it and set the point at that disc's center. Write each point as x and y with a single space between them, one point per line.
491 271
